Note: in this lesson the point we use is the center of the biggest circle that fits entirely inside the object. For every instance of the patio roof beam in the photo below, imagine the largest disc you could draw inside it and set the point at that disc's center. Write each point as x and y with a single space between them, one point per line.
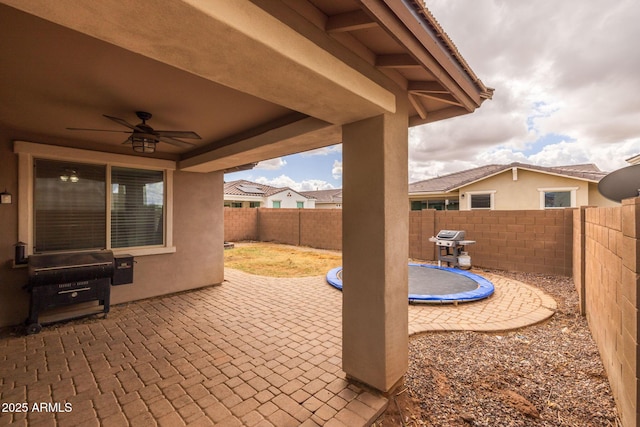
300 135
397 61
349 21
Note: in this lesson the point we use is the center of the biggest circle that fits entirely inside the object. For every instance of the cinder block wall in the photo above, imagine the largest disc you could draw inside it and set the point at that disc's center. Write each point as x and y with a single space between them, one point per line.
321 228
240 224
610 294
422 226
529 241
279 225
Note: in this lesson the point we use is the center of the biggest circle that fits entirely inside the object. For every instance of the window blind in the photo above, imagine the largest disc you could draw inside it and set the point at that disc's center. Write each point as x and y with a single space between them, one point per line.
137 207
69 206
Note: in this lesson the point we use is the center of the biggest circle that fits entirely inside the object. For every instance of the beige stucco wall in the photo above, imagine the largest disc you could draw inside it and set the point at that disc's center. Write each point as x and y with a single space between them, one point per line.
523 194
597 199
197 235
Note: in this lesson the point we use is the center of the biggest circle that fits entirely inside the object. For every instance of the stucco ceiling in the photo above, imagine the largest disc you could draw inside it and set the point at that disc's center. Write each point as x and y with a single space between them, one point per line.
53 78
329 62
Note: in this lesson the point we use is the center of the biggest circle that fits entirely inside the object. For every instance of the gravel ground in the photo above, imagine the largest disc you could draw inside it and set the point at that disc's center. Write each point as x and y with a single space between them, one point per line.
549 374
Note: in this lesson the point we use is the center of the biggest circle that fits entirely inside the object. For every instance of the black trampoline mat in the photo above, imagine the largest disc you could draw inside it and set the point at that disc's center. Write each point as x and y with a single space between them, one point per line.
431 281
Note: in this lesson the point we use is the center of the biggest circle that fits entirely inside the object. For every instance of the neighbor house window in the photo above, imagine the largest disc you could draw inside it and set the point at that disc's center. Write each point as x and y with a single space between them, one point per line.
300 205
275 204
557 198
481 201
236 204
254 204
418 205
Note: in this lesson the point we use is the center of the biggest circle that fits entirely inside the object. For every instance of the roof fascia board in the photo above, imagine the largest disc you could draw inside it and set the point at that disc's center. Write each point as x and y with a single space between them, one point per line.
556 174
405 25
510 167
431 193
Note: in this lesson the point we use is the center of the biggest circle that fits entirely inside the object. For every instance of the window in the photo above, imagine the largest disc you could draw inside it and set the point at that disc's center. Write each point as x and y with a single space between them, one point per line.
254 204
73 199
417 205
453 204
236 204
275 204
481 201
71 210
69 202
299 205
137 207
557 198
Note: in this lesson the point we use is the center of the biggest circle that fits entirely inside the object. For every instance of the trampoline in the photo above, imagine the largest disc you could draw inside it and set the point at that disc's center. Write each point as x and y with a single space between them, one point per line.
433 284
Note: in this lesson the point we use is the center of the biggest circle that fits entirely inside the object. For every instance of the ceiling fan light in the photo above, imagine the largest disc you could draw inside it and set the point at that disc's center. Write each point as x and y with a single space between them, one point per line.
144 143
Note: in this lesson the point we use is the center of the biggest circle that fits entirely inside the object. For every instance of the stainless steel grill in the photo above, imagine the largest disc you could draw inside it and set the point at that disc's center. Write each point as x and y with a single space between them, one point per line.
451 248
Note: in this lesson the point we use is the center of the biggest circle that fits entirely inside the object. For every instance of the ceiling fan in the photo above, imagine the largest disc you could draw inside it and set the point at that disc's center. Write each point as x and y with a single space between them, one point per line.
144 138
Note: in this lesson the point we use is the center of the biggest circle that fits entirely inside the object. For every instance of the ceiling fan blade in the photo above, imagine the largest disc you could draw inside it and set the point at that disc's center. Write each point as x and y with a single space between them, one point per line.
100 130
175 142
178 134
122 122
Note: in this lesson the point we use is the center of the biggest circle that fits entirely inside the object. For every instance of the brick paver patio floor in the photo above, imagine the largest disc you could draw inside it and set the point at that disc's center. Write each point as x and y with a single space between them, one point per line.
255 351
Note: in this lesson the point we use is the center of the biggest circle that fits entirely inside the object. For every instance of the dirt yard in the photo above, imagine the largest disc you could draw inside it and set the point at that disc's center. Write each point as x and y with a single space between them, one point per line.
548 374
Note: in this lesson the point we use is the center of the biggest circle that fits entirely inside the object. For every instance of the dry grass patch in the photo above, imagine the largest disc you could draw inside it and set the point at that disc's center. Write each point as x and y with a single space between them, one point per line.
268 259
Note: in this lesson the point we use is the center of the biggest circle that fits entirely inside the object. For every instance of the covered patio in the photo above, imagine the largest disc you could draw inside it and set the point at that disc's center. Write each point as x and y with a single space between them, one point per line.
255 80
255 351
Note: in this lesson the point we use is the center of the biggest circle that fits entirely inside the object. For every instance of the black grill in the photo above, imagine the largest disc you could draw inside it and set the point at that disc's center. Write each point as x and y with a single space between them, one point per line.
62 279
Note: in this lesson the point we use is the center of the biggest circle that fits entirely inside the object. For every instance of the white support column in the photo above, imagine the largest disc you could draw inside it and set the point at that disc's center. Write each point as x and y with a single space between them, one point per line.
375 250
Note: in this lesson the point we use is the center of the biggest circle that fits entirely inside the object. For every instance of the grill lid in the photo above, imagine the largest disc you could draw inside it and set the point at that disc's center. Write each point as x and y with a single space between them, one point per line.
67 267
451 235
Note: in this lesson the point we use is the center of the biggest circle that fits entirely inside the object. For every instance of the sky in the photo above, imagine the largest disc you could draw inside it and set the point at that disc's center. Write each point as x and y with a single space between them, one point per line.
566 76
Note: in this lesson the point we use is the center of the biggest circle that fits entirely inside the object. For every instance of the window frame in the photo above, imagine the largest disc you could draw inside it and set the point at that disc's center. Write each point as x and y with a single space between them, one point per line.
28 151
544 191
491 194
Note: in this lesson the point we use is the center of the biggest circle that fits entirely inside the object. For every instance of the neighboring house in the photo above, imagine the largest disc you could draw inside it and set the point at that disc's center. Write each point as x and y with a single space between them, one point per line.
326 199
247 194
511 187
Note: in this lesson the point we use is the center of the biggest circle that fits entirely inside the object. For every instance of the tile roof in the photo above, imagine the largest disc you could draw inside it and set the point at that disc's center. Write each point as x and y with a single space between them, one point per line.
325 196
453 181
243 187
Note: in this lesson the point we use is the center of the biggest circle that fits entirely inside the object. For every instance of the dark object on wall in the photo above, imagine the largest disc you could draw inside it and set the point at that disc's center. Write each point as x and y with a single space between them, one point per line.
621 184
122 270
62 279
20 253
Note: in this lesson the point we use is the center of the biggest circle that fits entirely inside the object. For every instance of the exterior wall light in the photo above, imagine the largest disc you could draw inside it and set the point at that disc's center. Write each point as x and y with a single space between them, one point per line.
5 198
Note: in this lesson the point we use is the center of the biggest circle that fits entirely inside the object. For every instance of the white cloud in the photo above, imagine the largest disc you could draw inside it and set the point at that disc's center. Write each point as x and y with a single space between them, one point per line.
561 68
272 164
305 185
336 171
324 151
